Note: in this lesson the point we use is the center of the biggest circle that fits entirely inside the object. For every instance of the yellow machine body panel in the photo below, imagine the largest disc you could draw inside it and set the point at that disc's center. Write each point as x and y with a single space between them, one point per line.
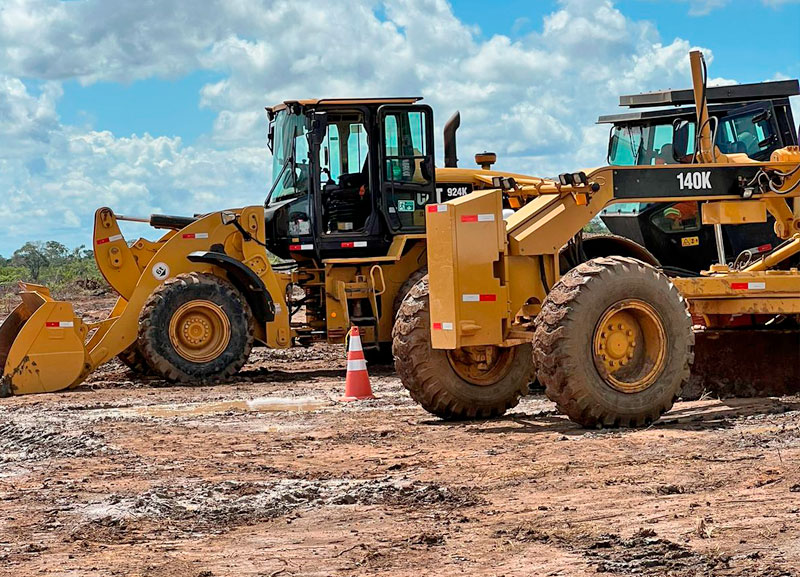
467 239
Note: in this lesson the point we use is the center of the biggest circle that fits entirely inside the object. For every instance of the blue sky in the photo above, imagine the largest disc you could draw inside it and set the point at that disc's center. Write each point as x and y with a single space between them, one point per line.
159 107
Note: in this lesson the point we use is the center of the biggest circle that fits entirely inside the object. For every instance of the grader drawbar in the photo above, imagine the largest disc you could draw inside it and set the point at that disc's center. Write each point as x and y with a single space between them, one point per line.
613 339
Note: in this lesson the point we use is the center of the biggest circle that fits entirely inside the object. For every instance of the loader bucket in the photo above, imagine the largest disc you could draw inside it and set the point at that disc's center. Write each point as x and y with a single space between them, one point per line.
41 345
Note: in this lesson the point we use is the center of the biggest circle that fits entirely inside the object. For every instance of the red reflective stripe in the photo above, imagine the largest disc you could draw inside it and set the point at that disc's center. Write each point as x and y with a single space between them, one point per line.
764 248
51 325
488 298
437 326
739 286
347 245
102 241
469 218
432 208
294 247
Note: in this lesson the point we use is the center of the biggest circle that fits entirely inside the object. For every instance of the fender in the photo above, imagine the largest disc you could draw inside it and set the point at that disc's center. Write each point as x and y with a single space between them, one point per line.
243 277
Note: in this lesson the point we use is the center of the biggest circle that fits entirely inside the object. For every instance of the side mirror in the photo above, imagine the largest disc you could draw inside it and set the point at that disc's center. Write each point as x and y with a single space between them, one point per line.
319 127
680 140
271 136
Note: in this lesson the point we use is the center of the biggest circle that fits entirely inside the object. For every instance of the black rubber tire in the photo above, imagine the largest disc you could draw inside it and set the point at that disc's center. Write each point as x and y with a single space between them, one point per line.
383 354
134 360
154 342
563 342
430 378
406 287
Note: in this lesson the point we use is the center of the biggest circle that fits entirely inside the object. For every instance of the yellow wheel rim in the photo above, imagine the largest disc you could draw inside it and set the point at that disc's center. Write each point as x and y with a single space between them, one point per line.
630 346
199 331
481 366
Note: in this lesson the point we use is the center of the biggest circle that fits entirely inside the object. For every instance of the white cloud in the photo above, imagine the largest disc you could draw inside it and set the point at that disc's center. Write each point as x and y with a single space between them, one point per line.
533 100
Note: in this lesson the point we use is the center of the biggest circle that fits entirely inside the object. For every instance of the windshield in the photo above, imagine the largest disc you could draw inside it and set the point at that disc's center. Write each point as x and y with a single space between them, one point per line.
638 145
290 157
749 132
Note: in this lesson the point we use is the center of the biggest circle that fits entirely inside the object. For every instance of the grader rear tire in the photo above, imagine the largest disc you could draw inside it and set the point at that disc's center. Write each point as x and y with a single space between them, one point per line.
613 343
440 380
196 328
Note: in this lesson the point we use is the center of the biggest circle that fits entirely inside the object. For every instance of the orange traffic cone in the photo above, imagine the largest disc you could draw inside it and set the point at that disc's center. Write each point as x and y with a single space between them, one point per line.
356 386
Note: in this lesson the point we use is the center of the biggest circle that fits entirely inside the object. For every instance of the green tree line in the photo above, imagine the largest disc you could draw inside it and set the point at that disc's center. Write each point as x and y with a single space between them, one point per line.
50 263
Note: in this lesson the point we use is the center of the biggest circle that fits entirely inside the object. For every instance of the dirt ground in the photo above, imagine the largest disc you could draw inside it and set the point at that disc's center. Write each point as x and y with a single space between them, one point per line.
270 476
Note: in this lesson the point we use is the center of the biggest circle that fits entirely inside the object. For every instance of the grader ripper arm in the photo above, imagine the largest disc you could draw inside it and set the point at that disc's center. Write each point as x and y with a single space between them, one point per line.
612 338
45 346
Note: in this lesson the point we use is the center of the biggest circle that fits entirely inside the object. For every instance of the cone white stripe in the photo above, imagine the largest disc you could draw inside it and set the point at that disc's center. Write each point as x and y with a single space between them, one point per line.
357 365
355 344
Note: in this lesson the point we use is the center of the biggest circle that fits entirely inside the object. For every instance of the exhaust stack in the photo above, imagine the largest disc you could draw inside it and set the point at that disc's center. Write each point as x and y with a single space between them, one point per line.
450 150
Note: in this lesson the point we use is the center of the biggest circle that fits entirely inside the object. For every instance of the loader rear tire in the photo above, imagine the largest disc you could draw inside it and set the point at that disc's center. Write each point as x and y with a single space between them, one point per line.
196 328
406 287
613 343
433 379
134 360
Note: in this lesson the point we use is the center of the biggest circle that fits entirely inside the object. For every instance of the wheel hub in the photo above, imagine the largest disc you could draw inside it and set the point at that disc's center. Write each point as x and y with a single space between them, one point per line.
199 331
482 366
629 346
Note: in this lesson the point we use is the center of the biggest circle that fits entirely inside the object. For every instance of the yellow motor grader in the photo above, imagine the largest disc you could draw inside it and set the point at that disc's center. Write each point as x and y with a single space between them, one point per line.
340 240
612 338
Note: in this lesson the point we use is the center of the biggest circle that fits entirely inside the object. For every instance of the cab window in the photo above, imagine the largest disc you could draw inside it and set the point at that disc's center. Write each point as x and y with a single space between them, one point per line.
290 166
407 167
405 146
750 134
345 173
624 148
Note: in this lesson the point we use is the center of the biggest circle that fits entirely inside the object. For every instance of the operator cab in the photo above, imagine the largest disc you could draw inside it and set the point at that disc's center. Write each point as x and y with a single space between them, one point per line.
751 119
348 175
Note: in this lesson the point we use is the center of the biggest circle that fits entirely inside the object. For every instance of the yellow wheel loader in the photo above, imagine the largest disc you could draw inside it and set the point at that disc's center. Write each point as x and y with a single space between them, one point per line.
611 339
339 242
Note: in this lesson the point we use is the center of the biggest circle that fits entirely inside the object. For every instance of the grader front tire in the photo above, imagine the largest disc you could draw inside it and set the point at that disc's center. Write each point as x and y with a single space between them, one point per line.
443 382
196 328
613 343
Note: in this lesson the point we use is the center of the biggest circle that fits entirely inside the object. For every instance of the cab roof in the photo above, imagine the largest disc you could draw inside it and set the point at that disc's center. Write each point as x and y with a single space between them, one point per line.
313 102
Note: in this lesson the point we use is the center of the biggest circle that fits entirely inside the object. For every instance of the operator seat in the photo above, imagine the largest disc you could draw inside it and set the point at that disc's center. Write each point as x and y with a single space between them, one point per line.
348 203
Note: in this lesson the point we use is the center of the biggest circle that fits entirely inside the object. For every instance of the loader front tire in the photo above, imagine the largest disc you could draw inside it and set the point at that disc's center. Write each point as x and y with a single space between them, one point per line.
613 343
447 383
196 328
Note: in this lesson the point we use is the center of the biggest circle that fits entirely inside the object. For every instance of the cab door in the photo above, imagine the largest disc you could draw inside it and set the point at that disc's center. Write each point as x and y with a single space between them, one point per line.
407 174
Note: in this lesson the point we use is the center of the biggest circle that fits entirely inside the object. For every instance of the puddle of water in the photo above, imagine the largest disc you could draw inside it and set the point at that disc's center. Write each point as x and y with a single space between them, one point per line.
258 405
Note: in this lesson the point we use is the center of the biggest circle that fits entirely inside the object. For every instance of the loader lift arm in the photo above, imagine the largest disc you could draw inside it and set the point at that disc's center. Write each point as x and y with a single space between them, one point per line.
45 346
